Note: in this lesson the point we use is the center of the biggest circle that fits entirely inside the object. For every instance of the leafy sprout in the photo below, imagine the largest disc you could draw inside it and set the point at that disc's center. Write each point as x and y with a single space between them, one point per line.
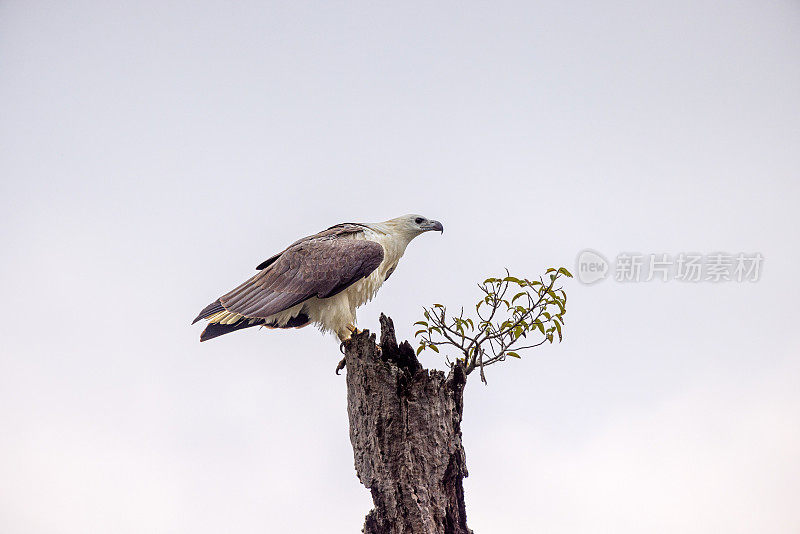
514 314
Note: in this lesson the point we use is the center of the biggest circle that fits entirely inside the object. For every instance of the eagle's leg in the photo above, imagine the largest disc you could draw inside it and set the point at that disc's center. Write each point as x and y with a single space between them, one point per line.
344 335
353 329
347 331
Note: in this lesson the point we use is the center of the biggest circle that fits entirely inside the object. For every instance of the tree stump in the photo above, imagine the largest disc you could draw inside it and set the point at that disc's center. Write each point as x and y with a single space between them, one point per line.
405 428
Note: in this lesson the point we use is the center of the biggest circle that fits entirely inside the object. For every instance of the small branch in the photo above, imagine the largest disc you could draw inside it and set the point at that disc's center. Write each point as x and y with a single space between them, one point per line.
499 332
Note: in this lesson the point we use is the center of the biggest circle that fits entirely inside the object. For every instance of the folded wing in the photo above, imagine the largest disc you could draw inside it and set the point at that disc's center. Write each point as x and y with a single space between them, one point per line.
316 267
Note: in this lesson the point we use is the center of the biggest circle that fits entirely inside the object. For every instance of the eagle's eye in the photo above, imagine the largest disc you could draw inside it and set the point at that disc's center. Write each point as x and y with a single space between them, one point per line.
418 220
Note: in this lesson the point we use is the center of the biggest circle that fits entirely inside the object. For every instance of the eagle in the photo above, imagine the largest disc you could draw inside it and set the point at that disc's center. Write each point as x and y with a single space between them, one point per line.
318 279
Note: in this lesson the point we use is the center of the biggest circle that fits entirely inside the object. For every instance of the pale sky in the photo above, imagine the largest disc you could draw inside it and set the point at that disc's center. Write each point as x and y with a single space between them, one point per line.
152 154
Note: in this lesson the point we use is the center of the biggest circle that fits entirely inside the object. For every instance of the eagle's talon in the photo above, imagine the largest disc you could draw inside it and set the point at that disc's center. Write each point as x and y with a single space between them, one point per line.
353 329
341 365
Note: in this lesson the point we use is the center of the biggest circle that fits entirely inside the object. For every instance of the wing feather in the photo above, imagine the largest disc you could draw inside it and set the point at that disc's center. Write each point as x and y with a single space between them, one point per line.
318 266
337 230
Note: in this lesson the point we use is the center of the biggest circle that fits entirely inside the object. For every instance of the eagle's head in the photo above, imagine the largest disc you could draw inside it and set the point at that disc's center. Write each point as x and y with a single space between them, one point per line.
413 225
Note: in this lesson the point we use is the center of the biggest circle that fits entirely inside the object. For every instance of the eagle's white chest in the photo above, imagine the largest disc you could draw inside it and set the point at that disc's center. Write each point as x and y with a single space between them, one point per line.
393 248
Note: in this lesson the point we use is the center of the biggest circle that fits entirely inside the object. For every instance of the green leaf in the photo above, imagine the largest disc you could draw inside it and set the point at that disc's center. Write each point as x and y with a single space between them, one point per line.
558 327
421 323
418 332
565 272
419 349
514 355
434 348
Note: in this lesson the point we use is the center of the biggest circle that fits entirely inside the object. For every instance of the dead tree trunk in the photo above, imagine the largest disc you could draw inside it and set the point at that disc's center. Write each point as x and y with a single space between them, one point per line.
405 427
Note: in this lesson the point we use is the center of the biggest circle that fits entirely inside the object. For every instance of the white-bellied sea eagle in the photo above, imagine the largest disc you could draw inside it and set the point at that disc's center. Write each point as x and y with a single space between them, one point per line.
319 279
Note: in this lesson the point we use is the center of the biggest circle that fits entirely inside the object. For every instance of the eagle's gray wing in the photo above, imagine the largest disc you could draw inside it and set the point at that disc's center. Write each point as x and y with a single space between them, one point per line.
338 230
319 266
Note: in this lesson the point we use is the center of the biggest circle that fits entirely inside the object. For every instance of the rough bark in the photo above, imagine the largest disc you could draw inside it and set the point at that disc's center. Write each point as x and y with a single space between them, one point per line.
405 428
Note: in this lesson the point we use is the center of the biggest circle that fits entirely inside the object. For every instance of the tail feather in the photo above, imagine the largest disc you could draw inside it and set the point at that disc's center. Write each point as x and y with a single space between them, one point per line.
213 330
211 309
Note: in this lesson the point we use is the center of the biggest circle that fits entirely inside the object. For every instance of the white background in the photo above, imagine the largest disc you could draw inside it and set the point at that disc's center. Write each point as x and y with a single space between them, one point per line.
152 154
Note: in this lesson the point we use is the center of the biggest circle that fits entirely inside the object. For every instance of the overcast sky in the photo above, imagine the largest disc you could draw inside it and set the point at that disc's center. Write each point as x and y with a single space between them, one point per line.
153 153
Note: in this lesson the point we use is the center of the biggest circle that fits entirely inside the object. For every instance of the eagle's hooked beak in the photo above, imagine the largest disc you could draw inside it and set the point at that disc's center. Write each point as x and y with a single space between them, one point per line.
434 225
